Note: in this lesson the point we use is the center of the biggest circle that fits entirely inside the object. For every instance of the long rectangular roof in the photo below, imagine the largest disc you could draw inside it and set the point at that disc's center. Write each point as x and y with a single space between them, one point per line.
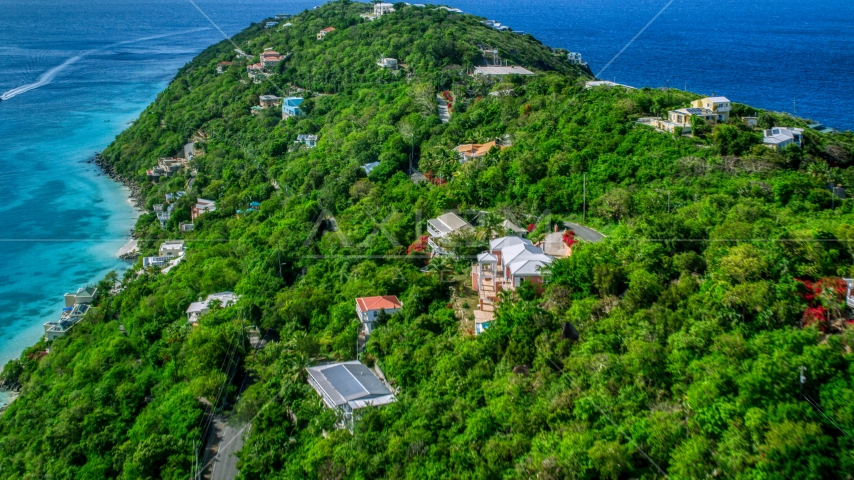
350 383
502 71
448 223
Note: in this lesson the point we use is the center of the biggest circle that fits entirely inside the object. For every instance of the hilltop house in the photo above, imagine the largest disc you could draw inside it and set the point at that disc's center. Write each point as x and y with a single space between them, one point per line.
322 34
574 58
779 138
166 167
76 306
346 387
163 214
270 58
470 151
390 63
310 141
290 107
270 24
442 227
381 9
197 309
499 71
369 308
681 118
202 206
720 105
267 101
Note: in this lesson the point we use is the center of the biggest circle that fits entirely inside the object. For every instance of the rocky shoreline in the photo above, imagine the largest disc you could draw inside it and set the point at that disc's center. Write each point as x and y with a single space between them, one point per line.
137 198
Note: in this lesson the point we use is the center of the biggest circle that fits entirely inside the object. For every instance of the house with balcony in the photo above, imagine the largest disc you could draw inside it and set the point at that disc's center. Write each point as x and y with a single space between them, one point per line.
682 119
202 206
197 309
779 138
310 141
508 262
441 228
369 308
155 262
291 107
163 213
390 63
347 387
323 33
271 24
720 105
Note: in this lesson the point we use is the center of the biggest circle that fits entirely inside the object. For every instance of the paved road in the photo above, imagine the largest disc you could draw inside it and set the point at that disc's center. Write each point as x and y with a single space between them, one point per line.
224 465
585 233
444 113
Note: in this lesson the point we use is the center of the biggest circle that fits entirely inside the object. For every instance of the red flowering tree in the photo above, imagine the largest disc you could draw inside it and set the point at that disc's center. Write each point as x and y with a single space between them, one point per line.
825 299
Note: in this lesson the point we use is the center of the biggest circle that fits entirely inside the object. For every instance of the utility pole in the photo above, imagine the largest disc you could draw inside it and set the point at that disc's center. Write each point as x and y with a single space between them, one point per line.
803 379
584 204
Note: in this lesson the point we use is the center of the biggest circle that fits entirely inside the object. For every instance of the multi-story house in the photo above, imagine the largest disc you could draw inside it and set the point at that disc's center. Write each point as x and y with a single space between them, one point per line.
442 227
720 105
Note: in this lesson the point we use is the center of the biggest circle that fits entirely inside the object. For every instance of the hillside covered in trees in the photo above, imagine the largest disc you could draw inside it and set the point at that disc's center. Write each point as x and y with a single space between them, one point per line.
706 336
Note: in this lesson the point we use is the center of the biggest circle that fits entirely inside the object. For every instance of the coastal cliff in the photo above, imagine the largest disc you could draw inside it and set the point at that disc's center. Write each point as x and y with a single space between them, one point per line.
673 345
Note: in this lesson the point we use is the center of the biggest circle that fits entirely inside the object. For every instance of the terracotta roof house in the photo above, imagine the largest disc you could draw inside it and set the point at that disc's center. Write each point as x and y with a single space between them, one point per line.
469 151
322 34
369 308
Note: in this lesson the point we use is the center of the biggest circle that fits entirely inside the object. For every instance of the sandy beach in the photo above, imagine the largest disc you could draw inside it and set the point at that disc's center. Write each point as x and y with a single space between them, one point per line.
128 248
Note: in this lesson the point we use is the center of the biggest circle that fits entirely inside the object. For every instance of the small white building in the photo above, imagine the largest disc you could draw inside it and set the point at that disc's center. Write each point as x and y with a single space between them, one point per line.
390 63
605 83
202 206
347 387
574 58
779 138
369 167
83 295
197 309
369 308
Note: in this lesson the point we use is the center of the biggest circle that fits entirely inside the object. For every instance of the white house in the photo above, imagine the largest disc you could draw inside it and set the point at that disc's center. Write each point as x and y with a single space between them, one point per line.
369 308
574 58
779 138
83 295
381 9
197 309
443 226
171 248
202 206
347 387
309 141
508 262
76 306
388 63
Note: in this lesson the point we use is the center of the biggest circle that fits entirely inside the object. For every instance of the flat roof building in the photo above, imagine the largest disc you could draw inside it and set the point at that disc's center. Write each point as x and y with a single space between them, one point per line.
501 71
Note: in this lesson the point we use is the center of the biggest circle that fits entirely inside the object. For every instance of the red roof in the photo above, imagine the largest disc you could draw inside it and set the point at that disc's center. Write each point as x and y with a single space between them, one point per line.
328 29
270 53
388 302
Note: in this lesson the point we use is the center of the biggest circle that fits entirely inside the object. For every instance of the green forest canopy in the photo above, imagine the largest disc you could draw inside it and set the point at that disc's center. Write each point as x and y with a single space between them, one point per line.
718 281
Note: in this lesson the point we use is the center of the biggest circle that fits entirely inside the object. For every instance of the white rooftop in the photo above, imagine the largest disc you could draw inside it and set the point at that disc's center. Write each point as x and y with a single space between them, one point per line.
502 71
349 383
448 223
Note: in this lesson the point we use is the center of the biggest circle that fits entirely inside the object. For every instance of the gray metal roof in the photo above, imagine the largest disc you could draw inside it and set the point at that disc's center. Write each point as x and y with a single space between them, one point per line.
503 242
349 383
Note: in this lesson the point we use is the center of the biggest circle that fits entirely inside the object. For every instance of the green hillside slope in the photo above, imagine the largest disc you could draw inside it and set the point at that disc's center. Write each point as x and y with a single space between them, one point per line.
673 346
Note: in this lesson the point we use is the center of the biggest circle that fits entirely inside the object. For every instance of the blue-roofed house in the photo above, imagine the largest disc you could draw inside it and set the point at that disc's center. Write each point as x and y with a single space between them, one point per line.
290 107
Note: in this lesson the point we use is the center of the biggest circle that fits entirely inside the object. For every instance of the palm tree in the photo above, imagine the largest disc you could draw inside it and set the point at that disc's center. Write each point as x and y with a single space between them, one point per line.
490 227
439 266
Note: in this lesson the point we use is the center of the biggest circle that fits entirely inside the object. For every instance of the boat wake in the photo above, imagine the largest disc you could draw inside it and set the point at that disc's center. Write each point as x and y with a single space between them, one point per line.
48 76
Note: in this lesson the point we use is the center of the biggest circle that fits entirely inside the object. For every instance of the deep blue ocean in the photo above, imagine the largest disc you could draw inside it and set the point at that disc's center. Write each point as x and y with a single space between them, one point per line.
88 68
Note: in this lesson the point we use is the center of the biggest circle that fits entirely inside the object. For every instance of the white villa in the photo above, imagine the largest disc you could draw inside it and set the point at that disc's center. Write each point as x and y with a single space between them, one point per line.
443 226
347 387
310 141
381 9
197 309
172 248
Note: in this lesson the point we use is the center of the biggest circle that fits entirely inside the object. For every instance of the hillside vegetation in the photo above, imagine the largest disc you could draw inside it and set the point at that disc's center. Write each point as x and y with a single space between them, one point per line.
718 281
